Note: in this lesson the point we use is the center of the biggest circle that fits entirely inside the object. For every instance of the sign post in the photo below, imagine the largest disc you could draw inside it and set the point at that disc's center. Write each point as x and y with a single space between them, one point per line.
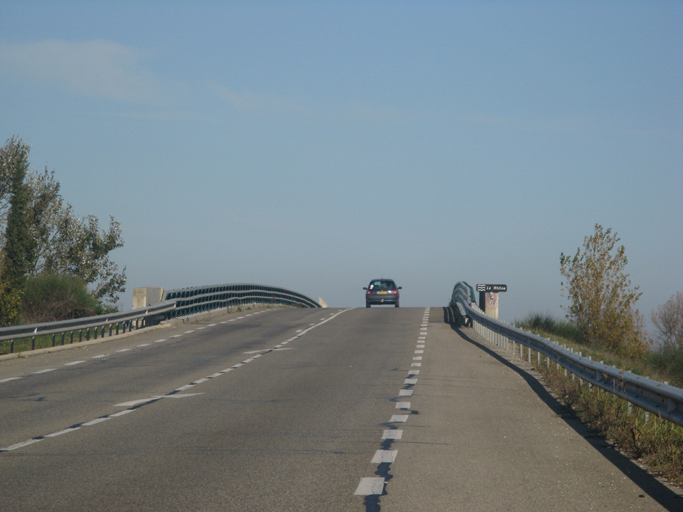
488 297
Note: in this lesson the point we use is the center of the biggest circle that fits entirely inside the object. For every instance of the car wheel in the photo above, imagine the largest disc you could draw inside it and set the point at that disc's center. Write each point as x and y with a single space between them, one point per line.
397 304
367 305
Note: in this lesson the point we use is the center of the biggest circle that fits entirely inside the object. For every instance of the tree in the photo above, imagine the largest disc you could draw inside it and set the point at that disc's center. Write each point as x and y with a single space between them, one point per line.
80 248
60 242
600 295
18 247
668 321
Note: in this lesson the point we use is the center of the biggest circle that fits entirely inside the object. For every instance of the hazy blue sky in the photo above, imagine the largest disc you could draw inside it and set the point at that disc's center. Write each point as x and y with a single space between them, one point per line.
317 145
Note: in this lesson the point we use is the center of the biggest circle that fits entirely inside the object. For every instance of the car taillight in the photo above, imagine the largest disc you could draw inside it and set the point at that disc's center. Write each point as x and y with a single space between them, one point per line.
369 292
394 292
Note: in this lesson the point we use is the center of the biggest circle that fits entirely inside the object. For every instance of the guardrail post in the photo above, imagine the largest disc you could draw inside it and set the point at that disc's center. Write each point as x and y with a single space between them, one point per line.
53 339
33 343
11 346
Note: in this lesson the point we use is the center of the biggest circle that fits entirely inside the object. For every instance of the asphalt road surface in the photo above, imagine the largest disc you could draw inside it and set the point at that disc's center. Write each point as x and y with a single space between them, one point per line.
301 410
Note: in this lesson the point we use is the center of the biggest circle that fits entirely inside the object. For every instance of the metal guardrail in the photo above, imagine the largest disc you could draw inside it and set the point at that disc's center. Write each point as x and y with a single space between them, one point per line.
190 301
100 323
177 303
656 397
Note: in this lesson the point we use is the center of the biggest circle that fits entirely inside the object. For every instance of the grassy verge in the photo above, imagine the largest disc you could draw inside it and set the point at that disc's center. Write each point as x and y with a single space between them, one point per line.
655 442
662 366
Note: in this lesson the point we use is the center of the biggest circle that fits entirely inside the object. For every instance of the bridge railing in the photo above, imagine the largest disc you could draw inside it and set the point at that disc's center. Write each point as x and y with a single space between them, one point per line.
199 299
177 303
656 397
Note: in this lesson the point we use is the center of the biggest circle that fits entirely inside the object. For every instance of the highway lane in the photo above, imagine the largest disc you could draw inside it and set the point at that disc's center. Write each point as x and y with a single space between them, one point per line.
287 410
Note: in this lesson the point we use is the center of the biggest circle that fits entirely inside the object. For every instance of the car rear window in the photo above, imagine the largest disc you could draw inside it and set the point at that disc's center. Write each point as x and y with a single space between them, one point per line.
382 284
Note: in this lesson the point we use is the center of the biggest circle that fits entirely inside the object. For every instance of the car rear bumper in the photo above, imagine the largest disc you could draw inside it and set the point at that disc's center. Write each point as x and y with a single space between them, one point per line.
381 299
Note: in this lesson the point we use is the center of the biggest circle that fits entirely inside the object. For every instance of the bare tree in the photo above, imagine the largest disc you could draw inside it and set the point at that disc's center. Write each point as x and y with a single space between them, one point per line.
668 321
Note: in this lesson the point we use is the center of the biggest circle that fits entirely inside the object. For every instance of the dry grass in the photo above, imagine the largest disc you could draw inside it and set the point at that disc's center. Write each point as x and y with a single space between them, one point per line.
656 442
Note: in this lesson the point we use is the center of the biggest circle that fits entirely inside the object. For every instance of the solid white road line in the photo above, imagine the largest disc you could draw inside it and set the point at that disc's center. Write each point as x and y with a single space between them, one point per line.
20 445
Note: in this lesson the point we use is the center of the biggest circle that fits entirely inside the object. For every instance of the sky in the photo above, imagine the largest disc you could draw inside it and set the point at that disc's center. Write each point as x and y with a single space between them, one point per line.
318 145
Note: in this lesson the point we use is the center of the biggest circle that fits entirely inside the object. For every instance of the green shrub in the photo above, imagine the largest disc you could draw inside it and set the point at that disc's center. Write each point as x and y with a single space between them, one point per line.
52 297
668 360
545 322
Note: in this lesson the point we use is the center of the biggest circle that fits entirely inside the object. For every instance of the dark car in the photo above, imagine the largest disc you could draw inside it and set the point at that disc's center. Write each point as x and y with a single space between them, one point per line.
381 292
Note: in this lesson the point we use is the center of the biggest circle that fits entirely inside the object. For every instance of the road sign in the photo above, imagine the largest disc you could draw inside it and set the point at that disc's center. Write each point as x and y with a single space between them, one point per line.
492 287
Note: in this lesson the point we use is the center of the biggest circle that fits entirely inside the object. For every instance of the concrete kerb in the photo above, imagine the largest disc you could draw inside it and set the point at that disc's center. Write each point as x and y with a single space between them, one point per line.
198 317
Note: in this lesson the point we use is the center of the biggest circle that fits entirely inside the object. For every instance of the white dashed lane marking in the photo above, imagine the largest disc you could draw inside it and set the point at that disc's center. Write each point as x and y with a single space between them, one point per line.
65 431
370 486
384 456
393 434
95 422
133 404
375 486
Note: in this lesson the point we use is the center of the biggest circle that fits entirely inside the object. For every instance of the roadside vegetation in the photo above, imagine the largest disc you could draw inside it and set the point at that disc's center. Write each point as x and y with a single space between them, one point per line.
653 441
53 264
602 322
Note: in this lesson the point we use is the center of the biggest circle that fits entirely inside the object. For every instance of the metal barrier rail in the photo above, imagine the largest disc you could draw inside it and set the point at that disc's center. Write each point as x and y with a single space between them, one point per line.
119 320
206 298
656 397
177 303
